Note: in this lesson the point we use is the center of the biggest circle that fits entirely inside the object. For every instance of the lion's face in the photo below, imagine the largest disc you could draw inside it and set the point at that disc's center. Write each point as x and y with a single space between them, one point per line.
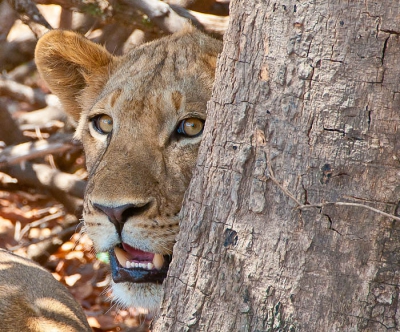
141 118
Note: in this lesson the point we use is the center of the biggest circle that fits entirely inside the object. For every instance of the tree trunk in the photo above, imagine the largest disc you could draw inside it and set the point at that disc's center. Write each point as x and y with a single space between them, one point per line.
304 114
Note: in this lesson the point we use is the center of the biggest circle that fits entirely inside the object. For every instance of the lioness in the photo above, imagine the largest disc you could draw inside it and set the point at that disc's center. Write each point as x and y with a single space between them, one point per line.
140 119
32 300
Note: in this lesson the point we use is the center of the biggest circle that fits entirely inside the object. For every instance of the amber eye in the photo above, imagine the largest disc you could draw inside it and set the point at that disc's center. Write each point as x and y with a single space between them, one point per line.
191 127
103 124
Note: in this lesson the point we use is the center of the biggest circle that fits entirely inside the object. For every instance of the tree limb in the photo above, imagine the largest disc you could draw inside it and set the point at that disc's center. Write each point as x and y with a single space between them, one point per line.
168 18
160 13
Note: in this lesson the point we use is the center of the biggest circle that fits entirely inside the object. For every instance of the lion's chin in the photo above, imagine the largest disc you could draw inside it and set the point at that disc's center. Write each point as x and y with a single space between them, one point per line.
137 277
141 296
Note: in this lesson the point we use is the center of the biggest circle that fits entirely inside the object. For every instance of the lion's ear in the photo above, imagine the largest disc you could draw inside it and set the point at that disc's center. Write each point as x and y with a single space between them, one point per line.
69 63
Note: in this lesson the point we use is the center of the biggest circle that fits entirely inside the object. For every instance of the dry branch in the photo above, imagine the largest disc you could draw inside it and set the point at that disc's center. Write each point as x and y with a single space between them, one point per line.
16 154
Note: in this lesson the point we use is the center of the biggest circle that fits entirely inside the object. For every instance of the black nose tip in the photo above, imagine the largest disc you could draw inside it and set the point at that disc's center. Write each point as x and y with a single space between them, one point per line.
119 214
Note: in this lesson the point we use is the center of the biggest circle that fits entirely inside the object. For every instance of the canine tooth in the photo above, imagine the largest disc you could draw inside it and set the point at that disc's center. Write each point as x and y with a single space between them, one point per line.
158 261
121 255
128 264
150 266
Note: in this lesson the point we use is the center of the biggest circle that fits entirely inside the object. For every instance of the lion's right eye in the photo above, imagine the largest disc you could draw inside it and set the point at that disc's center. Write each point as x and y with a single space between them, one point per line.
102 123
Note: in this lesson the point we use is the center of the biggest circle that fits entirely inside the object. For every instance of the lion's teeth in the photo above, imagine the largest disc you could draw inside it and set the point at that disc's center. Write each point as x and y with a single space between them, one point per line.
158 261
124 259
121 255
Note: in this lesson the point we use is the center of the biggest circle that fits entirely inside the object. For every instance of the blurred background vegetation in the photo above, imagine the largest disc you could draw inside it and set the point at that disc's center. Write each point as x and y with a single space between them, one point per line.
42 173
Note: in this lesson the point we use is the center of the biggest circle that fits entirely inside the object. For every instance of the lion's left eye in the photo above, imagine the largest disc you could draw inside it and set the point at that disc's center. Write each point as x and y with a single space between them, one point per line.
102 123
191 127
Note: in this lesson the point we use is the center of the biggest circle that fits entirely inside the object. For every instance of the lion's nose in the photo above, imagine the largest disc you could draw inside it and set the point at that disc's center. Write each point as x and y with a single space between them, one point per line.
118 215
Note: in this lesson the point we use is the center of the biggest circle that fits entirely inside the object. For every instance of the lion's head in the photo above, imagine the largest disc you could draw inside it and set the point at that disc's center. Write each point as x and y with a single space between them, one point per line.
140 119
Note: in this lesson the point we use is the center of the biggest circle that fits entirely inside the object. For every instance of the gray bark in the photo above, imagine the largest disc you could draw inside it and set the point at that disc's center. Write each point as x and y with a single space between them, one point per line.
305 113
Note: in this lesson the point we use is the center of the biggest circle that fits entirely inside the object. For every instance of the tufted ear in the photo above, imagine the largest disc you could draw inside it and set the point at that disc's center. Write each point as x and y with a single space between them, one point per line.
70 63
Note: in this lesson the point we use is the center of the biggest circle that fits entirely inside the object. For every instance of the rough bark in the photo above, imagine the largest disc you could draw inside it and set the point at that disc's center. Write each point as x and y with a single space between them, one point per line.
305 111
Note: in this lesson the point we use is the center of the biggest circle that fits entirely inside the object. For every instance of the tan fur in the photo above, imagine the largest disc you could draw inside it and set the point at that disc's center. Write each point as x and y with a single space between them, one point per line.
143 162
32 300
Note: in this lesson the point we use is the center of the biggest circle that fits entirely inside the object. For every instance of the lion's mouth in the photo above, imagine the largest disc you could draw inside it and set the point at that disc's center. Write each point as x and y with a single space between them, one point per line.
129 264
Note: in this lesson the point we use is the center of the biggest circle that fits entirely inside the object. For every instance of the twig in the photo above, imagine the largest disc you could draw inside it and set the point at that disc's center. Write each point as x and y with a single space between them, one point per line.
320 205
38 222
273 178
61 233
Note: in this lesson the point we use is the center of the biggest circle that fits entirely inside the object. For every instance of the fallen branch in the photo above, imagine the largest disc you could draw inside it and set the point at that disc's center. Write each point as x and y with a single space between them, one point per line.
16 154
41 175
